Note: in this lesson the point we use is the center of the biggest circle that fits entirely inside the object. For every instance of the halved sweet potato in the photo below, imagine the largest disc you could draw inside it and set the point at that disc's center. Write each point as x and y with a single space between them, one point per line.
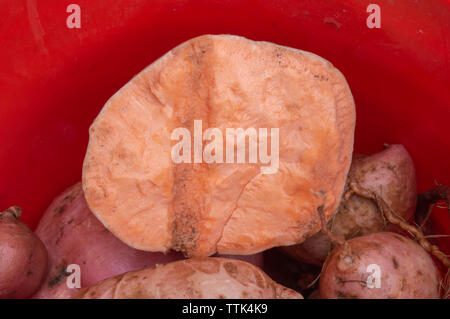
151 203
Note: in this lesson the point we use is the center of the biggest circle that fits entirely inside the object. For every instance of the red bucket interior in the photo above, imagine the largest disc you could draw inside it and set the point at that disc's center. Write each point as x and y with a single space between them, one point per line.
54 80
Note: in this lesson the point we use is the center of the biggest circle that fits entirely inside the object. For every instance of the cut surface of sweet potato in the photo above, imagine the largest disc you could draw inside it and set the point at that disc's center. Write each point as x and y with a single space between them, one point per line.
137 190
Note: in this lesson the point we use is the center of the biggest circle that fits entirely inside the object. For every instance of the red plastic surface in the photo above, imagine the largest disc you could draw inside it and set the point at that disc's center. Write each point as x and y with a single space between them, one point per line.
54 80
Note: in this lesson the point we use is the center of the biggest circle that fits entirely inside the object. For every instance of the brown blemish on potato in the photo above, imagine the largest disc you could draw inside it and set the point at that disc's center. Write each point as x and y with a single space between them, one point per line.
242 272
59 276
395 262
320 77
60 234
193 293
376 245
67 200
141 293
230 268
61 209
343 295
70 198
245 295
339 280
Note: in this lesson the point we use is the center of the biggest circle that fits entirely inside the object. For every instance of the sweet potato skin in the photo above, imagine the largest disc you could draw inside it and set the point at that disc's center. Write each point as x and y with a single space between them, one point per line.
73 235
23 259
406 269
390 174
196 278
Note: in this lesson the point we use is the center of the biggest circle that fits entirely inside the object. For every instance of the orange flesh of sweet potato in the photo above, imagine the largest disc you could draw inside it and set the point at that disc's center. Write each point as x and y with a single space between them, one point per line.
149 202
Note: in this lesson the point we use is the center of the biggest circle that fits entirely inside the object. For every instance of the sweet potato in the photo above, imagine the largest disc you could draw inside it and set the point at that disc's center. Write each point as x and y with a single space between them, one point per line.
73 235
404 268
23 257
207 277
390 174
133 185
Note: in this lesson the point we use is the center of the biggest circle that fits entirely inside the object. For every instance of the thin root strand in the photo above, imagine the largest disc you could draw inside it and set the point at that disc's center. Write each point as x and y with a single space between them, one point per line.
337 240
392 217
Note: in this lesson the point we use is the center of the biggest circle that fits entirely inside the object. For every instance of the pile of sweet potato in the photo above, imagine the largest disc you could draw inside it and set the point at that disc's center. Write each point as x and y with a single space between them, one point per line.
329 223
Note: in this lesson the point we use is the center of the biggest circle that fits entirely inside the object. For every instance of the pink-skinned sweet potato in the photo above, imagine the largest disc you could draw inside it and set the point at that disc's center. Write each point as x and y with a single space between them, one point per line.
23 257
389 174
381 265
73 235
196 278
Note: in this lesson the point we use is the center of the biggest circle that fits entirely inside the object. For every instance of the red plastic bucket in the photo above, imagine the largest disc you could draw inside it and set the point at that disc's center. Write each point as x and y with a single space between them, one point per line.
54 80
